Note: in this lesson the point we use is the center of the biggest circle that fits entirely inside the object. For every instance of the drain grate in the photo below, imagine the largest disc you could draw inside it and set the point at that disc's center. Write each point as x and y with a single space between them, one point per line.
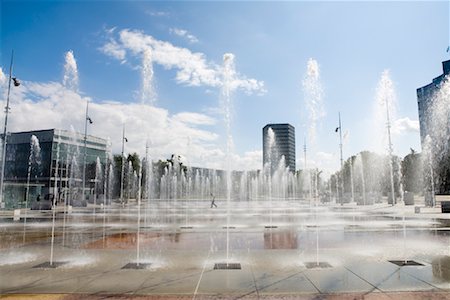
53 265
135 266
229 227
186 227
402 263
317 265
227 266
270 227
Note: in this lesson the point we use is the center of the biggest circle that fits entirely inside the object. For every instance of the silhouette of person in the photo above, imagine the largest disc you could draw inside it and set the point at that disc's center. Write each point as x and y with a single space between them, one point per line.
213 201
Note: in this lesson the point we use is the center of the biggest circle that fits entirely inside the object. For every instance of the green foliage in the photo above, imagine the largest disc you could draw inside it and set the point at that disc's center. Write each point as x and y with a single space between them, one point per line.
412 171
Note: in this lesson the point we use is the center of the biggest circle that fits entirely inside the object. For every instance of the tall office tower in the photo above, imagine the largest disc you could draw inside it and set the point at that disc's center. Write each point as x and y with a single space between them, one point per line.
283 144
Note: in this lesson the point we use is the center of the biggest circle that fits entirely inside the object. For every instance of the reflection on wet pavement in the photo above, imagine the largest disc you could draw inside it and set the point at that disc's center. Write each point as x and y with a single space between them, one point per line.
180 246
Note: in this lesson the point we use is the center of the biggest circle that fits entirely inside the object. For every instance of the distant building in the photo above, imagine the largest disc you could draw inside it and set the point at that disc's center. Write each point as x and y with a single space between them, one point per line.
60 150
424 99
439 146
284 144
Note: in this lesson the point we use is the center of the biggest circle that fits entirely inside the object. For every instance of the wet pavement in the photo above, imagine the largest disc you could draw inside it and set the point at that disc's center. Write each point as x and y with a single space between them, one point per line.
287 250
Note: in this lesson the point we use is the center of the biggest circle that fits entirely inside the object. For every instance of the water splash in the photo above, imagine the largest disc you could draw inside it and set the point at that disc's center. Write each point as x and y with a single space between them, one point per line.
148 94
272 153
70 79
313 97
359 164
34 162
438 120
427 161
97 181
386 105
227 90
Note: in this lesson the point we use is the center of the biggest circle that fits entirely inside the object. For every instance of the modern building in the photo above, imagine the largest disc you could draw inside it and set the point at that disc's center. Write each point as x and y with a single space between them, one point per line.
56 160
283 144
424 101
437 130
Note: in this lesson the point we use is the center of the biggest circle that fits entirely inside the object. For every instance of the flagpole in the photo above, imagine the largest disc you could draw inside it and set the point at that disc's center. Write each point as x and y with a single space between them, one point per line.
84 152
123 165
342 159
7 108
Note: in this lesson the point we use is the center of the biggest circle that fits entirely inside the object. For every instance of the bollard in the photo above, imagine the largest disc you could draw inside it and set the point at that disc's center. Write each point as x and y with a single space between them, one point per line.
16 215
445 207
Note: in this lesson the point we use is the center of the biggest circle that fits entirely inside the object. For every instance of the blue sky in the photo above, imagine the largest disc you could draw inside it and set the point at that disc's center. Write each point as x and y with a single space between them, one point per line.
353 43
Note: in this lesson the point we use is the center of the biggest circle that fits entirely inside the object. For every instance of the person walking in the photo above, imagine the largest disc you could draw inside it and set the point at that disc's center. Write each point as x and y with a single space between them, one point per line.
213 204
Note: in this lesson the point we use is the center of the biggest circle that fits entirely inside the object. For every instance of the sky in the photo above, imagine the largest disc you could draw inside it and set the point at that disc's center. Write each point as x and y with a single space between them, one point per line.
157 67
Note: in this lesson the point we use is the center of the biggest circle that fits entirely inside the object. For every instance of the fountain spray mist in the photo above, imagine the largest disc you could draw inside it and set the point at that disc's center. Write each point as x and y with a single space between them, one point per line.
313 97
148 95
386 100
273 157
55 190
33 159
436 144
227 89
70 78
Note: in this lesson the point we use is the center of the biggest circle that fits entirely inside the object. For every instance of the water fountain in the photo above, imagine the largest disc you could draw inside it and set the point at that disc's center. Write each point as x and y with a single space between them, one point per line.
270 169
385 99
70 78
175 196
428 162
435 145
313 97
360 163
226 92
51 263
97 179
148 94
34 161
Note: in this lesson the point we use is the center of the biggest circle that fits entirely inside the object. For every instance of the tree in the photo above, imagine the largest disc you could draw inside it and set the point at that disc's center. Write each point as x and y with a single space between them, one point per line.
117 170
135 161
412 172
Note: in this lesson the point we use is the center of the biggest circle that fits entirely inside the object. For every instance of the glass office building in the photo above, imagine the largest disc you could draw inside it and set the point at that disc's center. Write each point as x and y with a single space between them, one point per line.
430 108
284 143
56 165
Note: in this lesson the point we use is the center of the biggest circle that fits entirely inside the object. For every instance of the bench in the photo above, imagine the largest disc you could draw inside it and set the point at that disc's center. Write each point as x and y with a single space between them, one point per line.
444 202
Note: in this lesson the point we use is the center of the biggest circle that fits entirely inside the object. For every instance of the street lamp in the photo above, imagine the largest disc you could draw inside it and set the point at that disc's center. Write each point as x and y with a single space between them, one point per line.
391 150
124 140
87 119
342 159
7 108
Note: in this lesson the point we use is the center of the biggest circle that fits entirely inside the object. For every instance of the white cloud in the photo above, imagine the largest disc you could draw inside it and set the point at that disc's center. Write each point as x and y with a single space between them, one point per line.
192 68
158 13
324 161
184 33
324 156
251 160
113 49
2 78
405 125
36 105
194 118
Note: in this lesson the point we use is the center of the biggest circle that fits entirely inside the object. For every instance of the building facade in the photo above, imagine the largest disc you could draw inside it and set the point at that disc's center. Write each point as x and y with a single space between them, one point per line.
283 144
434 120
424 100
44 162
